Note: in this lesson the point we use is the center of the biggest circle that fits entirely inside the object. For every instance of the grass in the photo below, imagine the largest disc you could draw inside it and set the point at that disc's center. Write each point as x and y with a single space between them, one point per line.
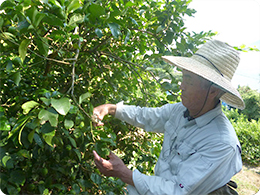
248 180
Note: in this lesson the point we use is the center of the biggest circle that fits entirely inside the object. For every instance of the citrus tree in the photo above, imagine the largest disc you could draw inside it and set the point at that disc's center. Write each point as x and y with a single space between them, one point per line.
61 58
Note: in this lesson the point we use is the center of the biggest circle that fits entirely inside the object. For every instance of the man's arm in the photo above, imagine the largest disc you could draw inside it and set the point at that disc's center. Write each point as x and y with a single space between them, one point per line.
114 167
101 111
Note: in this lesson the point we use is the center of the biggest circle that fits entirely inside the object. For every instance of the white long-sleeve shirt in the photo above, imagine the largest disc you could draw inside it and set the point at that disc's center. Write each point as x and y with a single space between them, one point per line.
197 157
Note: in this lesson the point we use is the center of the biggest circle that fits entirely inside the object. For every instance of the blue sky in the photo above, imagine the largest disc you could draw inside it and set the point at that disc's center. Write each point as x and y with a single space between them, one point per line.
237 22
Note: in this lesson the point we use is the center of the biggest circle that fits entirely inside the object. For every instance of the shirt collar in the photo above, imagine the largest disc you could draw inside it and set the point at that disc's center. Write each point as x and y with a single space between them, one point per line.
205 118
209 116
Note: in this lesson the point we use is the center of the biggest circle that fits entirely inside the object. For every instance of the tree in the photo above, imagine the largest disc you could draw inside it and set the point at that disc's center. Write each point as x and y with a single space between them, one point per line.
59 59
252 102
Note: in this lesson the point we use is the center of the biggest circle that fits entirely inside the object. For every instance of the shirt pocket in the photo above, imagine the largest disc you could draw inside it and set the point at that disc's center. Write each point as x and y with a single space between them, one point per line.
184 151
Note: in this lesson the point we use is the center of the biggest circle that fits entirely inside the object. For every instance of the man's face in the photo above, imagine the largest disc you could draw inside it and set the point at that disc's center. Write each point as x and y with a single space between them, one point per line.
194 91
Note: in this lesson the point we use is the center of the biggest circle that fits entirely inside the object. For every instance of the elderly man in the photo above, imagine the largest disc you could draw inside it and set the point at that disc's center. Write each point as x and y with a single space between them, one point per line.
201 151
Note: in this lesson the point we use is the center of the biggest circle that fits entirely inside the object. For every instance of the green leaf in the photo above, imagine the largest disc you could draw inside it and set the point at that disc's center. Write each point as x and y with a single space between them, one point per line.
30 136
47 128
17 177
23 48
9 66
129 4
134 21
5 159
23 26
74 4
27 106
12 190
27 3
24 153
43 46
7 35
167 86
159 29
38 140
38 19
1 23
20 124
95 178
48 138
62 105
109 140
84 96
46 101
4 124
16 78
180 46
46 192
68 124
59 186
54 2
101 148
98 32
77 153
115 29
76 18
72 141
53 20
35 16
127 37
45 115
96 10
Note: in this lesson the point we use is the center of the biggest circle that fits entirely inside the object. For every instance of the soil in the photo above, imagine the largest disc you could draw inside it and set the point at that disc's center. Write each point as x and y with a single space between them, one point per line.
248 180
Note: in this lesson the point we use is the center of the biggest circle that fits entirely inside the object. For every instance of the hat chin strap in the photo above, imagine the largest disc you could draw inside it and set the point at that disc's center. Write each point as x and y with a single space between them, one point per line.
204 102
210 63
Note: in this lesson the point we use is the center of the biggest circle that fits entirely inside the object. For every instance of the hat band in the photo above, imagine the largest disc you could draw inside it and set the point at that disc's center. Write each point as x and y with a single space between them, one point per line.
209 62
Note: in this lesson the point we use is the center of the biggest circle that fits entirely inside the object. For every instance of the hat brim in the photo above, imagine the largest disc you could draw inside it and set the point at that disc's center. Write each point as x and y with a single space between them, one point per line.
231 97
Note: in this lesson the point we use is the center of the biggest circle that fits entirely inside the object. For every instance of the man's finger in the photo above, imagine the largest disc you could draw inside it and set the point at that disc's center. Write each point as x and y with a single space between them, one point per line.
112 155
99 124
96 156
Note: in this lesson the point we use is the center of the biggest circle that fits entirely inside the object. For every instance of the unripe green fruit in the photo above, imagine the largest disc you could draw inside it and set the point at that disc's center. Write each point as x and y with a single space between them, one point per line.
44 171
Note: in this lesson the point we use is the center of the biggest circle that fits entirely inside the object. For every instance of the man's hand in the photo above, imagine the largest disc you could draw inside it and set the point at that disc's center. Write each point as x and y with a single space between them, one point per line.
114 167
101 111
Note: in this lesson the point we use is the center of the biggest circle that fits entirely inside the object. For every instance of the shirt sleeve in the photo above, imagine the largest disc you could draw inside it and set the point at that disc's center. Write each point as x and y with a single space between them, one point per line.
198 174
150 119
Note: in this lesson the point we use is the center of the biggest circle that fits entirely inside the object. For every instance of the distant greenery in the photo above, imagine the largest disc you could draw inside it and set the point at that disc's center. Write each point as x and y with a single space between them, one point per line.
247 125
252 102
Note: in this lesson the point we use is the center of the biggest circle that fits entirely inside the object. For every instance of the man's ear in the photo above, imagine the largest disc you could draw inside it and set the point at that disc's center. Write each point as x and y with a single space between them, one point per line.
215 92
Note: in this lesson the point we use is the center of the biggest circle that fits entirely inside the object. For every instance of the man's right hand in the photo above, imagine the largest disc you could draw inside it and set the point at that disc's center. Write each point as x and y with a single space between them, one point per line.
101 111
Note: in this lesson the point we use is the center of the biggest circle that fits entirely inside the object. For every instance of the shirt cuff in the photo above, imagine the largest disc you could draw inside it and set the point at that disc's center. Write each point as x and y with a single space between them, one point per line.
140 185
119 106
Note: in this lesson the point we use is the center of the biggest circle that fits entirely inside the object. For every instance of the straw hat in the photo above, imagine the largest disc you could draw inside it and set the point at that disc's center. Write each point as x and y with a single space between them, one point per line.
217 62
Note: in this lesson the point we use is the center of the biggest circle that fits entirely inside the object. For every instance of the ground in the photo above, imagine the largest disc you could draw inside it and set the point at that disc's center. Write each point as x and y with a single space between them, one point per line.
248 180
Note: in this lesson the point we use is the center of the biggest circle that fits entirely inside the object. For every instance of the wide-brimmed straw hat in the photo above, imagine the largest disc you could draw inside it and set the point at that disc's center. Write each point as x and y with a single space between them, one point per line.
217 62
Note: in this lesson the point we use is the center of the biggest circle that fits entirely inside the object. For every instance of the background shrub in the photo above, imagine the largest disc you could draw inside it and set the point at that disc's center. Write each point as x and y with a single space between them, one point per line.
248 133
252 102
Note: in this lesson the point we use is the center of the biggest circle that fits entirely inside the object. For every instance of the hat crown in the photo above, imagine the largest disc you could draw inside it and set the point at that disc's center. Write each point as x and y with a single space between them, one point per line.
220 57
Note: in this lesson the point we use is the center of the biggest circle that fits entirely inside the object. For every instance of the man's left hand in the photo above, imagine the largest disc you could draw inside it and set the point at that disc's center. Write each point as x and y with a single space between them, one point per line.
114 167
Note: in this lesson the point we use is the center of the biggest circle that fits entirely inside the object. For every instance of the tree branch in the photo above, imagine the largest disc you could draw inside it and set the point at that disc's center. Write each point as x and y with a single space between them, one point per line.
71 89
127 62
45 58
150 33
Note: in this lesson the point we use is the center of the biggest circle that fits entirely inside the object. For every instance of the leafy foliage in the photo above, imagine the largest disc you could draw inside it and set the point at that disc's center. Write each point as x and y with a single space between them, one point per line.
246 123
59 59
252 102
248 134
